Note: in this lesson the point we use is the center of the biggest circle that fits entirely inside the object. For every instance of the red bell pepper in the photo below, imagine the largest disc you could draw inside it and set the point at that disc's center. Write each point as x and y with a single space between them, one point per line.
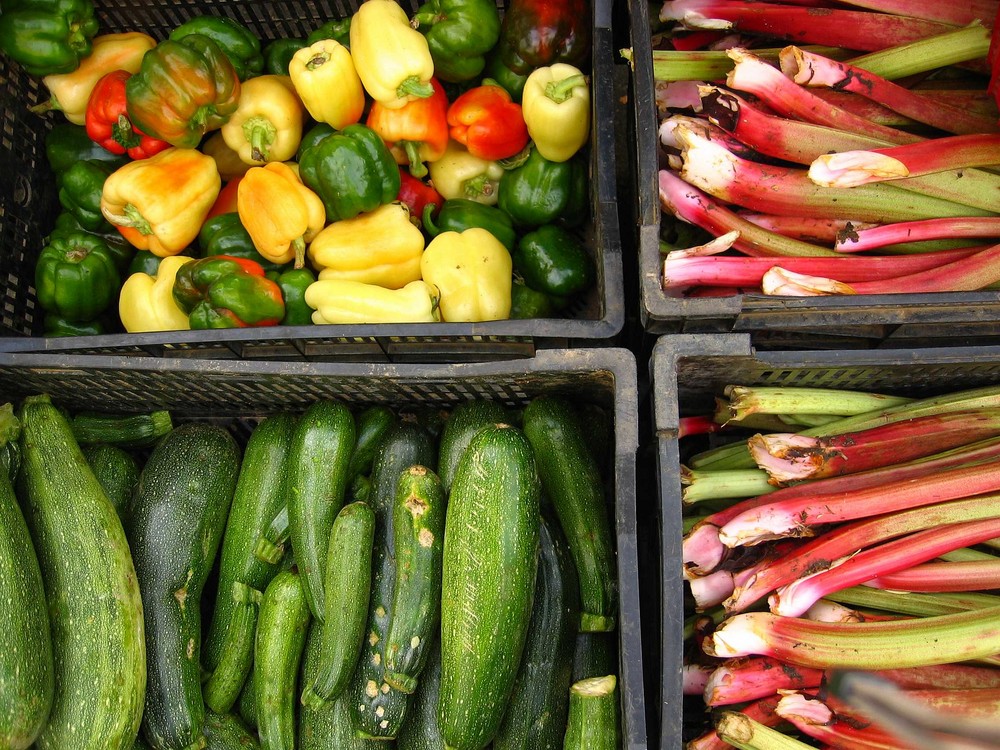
488 123
108 124
226 202
415 133
416 195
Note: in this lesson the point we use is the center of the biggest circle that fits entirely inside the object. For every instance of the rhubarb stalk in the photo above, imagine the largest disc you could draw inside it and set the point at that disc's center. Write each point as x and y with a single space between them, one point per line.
980 575
744 400
760 711
717 485
854 239
740 731
956 14
941 50
914 604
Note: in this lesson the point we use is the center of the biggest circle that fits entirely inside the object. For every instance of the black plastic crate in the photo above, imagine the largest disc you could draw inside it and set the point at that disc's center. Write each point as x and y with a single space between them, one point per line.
236 394
834 322
28 207
687 372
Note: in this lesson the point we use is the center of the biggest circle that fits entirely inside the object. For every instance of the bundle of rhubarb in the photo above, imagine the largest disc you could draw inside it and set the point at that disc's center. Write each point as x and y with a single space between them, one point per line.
819 148
830 532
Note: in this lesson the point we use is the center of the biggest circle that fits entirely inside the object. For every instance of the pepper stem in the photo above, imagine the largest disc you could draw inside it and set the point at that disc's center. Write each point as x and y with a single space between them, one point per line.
413 86
317 61
560 91
417 167
123 134
478 187
299 245
129 217
260 134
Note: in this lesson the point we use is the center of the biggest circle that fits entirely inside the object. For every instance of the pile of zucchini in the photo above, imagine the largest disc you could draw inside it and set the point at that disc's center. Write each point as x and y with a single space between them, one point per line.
344 579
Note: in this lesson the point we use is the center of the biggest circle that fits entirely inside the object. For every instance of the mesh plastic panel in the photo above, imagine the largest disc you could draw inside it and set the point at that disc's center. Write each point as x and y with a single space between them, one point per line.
28 206
688 371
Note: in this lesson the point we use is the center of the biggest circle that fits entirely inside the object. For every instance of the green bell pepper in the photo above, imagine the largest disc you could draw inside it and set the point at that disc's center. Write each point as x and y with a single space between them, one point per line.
338 29
504 77
540 191
526 303
226 292
66 144
459 34
122 250
239 44
47 37
76 277
293 284
145 262
184 89
554 261
224 234
55 326
314 135
279 53
80 189
459 214
352 171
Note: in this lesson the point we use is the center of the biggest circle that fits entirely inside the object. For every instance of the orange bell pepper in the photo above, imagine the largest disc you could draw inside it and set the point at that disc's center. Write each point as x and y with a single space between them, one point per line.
280 213
415 133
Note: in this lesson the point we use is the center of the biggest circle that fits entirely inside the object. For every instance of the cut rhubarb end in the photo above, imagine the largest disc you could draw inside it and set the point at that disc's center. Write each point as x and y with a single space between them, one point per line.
787 457
852 168
712 589
810 710
780 282
738 636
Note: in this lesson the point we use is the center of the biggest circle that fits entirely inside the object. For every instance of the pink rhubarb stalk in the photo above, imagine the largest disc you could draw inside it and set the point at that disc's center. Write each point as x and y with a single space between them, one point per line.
694 677
852 168
860 30
788 457
690 204
798 516
820 553
980 575
810 69
814 229
816 719
737 271
968 274
795 598
696 425
854 240
956 14
755 76
889 644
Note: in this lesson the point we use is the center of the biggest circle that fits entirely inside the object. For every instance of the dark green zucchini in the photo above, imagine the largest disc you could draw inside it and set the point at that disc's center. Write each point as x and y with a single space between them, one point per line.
123 430
228 732
98 645
572 481
26 671
420 731
488 581
418 534
595 655
593 715
536 716
327 726
377 708
174 524
116 469
348 584
10 444
246 704
281 639
322 444
373 424
227 652
464 421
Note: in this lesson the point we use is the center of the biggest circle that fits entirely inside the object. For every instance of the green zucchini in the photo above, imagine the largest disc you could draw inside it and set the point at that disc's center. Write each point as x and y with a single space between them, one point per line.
227 732
420 731
464 421
10 444
327 726
174 524
123 430
536 716
227 651
418 538
595 655
271 544
571 479
377 708
488 580
322 444
140 744
348 584
373 424
281 639
116 469
593 715
26 671
98 645
246 704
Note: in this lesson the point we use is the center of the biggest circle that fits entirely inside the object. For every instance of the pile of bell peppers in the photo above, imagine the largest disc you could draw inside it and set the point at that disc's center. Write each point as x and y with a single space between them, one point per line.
386 168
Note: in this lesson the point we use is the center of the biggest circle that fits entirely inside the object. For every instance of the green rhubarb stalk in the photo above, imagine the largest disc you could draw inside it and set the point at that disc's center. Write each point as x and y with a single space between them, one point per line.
699 486
913 604
713 65
743 732
745 400
938 51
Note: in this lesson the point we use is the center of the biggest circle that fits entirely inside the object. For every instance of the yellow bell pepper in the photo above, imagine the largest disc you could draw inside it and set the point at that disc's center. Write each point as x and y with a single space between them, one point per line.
267 123
70 92
328 84
379 247
472 271
392 58
340 301
555 104
459 174
146 303
227 161
279 213
159 204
